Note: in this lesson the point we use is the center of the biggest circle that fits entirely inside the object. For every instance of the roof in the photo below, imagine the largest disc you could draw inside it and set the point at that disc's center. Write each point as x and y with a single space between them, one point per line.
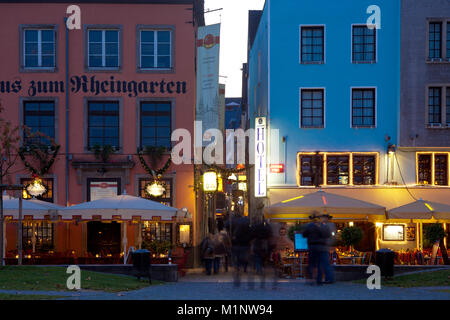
233 101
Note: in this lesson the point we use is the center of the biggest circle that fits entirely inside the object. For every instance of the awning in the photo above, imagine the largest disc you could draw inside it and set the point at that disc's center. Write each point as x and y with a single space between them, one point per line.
421 209
123 207
340 207
31 209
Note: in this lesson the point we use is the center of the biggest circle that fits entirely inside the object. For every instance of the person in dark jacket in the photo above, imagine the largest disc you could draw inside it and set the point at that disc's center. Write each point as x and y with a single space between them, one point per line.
260 248
317 235
207 252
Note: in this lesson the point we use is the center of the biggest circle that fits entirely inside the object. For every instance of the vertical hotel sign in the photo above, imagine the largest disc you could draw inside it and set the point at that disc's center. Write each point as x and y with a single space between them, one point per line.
260 157
207 108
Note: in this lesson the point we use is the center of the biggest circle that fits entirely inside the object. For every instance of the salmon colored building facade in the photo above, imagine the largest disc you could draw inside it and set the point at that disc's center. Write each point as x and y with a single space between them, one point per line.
129 82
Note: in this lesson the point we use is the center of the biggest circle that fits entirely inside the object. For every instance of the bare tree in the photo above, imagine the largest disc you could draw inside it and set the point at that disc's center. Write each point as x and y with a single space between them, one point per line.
9 142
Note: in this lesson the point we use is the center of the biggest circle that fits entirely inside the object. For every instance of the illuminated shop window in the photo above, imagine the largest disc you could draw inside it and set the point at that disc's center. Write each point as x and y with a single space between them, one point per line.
338 170
39 48
44 235
155 49
156 231
393 232
432 168
310 165
364 168
363 44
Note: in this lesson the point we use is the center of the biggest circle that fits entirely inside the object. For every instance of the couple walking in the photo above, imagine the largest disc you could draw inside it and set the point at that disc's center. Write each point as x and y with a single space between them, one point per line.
319 235
214 249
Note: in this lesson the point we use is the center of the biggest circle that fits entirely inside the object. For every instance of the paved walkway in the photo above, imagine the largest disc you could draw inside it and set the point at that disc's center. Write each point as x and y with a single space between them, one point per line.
196 286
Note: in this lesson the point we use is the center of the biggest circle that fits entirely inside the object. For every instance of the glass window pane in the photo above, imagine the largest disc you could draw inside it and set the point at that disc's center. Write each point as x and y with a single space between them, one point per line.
95 36
147 36
95 48
112 61
148 62
163 36
48 61
95 61
163 49
31 35
31 61
31 48
111 36
47 36
163 62
112 49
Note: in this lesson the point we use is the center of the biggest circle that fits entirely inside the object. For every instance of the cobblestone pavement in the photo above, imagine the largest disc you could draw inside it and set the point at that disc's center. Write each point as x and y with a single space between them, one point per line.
196 286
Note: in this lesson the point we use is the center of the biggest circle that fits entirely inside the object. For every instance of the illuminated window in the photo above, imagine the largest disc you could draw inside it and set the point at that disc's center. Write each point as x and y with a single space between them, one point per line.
338 170
166 198
44 235
311 170
393 232
47 182
156 231
364 168
429 163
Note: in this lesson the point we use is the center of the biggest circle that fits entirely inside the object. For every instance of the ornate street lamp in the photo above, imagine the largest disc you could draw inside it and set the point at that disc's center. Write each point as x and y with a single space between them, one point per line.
155 189
36 188
210 181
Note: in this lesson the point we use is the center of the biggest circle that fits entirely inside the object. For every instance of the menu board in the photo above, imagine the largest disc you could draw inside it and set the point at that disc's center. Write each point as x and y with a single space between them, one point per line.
301 243
103 189
393 232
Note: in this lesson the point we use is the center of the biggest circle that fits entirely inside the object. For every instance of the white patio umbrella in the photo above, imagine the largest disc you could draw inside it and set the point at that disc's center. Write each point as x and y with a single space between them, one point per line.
123 207
421 209
35 208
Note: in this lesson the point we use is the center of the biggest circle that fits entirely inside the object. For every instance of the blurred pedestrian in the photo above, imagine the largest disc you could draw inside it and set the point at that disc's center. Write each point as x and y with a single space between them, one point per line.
329 231
260 248
317 235
226 241
207 252
220 251
240 240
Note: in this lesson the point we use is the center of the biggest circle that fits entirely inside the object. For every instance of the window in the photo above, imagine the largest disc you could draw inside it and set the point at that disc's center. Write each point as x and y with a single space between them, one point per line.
312 108
364 170
435 38
363 44
392 232
39 48
43 235
103 48
448 41
312 46
155 49
156 231
47 182
156 124
310 166
434 105
39 116
441 169
103 124
338 170
424 169
166 198
363 107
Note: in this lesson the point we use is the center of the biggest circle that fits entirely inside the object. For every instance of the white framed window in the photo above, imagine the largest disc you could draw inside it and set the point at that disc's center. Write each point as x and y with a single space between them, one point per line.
103 48
155 49
39 48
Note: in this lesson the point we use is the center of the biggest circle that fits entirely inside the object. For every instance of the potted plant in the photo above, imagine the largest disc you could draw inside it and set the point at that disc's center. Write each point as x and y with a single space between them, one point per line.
351 236
435 234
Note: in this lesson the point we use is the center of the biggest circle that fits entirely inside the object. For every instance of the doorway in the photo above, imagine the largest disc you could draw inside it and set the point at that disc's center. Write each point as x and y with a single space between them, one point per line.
103 238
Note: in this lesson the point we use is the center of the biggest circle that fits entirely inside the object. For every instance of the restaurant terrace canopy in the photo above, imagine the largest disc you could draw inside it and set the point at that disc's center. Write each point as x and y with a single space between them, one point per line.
123 207
35 209
340 207
421 209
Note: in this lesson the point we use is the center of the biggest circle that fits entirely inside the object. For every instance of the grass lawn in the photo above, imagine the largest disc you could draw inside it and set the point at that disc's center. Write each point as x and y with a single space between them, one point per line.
55 278
7 296
440 278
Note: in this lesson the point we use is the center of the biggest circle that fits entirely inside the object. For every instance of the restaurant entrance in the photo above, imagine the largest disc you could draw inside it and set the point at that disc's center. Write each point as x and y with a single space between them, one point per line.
103 239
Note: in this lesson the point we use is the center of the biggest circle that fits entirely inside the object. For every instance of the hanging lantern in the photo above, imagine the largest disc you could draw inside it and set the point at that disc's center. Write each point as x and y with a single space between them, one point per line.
210 181
242 186
155 189
36 188
232 177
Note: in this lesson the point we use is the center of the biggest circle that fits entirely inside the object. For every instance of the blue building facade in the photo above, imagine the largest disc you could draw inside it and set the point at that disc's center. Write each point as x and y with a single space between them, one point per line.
329 84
